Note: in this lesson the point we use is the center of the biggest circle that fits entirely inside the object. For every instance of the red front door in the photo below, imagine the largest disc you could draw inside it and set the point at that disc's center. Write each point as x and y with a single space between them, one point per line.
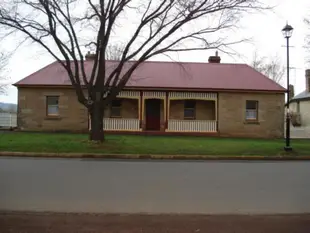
152 114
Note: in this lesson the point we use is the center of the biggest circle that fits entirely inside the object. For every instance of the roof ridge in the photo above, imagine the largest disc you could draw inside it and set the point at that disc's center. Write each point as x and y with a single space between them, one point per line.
184 62
152 61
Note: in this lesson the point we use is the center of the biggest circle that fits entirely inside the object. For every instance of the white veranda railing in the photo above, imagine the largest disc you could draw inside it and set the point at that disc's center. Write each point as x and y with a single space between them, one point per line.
121 124
192 125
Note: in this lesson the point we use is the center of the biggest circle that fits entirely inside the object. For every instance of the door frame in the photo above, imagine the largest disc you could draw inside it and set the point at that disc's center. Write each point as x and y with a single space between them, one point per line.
156 108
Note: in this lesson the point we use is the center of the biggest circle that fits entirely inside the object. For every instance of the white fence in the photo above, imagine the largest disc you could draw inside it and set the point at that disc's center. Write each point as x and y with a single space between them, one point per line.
121 124
8 120
191 126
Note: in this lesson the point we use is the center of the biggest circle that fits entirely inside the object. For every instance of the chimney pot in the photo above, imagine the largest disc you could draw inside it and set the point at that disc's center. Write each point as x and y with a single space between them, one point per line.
215 59
90 56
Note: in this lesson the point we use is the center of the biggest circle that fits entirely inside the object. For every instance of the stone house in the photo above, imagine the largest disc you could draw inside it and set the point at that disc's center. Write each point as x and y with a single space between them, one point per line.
161 98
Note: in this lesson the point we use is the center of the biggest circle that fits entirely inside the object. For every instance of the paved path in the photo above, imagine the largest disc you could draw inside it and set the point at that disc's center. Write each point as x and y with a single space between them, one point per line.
154 187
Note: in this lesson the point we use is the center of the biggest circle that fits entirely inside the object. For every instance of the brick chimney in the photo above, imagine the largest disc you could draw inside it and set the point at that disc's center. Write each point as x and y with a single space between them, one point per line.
90 56
215 59
308 80
291 91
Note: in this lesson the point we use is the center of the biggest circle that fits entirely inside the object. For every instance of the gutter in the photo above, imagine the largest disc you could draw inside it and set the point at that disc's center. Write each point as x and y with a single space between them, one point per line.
154 156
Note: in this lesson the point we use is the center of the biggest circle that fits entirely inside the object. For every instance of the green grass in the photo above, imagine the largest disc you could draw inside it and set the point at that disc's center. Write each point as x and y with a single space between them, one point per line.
161 145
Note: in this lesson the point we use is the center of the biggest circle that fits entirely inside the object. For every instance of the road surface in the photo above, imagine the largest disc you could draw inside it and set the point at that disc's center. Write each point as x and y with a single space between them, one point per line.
121 223
154 187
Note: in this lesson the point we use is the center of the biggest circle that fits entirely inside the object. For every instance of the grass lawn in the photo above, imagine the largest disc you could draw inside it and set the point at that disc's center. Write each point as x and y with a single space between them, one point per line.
43 142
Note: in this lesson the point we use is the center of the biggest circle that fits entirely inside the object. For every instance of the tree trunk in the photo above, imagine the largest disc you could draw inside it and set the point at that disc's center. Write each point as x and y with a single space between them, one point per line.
96 122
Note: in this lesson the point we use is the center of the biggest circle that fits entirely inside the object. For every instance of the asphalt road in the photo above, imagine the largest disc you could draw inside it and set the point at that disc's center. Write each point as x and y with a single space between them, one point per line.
21 222
154 187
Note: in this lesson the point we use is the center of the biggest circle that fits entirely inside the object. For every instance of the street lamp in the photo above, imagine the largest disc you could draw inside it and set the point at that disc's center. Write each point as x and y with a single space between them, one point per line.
287 33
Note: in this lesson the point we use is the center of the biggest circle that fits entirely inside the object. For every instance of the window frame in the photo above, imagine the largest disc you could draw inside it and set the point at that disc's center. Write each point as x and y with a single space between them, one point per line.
193 108
53 105
250 109
118 107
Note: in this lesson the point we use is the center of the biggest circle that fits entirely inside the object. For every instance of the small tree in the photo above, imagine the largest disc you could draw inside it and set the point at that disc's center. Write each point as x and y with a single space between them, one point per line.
155 27
271 67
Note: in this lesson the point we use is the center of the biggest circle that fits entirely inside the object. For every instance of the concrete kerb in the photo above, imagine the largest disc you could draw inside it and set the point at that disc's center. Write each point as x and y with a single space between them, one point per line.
152 157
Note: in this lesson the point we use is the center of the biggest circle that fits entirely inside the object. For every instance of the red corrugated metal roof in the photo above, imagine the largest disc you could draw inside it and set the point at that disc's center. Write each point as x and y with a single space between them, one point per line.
182 75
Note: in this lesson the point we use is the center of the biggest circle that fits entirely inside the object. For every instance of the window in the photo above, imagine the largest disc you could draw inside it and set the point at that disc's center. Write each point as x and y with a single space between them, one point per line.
52 106
116 108
189 109
251 110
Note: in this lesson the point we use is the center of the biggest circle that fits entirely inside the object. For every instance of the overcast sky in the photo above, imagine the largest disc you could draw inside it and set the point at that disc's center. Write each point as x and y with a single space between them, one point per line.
265 29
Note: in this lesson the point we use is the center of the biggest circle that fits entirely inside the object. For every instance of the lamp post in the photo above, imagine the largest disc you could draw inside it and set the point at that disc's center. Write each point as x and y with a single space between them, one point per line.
287 33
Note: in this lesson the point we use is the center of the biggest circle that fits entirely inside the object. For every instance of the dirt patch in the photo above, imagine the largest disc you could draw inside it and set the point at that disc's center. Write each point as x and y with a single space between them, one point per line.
93 223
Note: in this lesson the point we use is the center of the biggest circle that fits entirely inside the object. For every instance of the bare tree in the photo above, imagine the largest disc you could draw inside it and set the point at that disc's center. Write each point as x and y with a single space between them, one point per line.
62 28
271 67
114 52
3 78
307 38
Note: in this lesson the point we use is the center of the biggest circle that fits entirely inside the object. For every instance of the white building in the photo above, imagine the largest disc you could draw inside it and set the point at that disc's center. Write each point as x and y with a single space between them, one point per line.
300 104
